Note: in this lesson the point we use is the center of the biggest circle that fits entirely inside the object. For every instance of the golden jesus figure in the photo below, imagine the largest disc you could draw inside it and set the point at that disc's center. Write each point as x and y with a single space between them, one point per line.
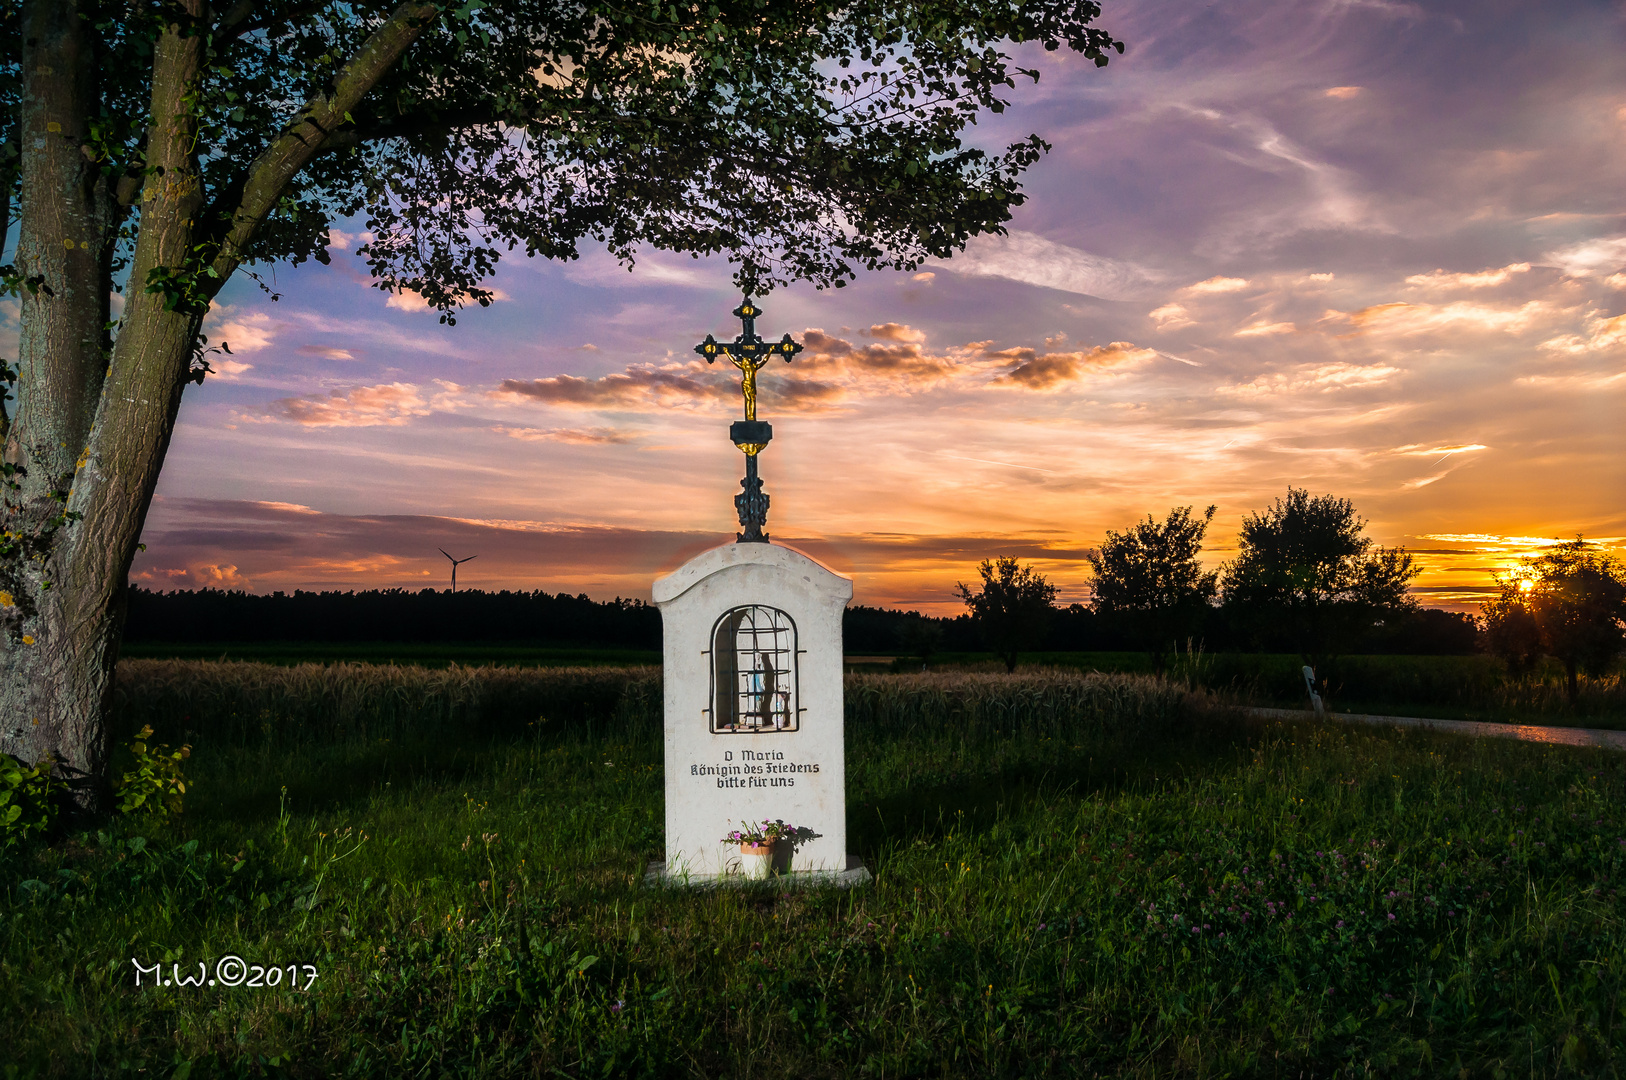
748 352
748 383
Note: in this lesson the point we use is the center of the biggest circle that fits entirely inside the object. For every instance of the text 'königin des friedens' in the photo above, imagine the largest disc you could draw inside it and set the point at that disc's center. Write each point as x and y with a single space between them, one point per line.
756 769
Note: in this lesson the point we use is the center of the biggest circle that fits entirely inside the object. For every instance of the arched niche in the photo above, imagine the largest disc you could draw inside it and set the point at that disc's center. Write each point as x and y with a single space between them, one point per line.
753 672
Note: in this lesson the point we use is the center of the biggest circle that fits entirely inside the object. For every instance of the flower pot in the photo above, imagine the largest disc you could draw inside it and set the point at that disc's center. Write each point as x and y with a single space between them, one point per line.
756 860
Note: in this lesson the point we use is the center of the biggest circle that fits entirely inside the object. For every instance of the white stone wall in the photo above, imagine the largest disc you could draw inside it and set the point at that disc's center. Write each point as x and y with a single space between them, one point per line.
715 781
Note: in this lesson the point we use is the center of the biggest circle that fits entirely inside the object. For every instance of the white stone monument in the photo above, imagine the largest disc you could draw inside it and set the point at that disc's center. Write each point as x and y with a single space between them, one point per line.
753 682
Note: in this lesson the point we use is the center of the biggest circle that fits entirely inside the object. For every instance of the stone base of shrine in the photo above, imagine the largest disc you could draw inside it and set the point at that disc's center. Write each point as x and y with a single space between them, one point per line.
855 874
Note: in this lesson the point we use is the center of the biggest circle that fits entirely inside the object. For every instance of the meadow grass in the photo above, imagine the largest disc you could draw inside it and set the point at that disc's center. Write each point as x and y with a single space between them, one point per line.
1446 687
241 703
1074 875
165 683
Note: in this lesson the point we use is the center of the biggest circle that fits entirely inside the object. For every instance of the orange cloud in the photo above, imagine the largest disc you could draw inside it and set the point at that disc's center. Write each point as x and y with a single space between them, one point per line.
895 332
1028 369
639 386
1439 279
197 576
899 352
1404 319
644 386
1602 335
388 404
244 331
579 436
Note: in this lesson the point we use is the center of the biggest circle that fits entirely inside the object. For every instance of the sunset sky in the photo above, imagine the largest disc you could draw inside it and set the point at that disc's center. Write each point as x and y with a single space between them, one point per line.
1365 247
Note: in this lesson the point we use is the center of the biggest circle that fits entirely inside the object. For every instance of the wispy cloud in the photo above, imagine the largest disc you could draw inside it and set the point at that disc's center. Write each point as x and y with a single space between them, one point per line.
1265 329
579 436
389 404
325 352
1458 316
1033 260
1320 378
1171 317
1219 284
1415 450
1440 279
1588 257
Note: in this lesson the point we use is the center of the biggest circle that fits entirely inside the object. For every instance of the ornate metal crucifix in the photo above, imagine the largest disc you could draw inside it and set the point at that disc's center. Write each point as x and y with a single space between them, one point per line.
748 352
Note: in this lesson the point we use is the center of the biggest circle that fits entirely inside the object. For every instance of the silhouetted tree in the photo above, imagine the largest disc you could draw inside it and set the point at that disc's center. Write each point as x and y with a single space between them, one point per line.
1305 570
1012 609
1573 598
921 636
1511 632
1148 580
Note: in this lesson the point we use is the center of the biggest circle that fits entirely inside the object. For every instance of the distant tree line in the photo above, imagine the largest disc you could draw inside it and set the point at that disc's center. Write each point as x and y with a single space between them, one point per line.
390 615
436 616
1305 580
1079 628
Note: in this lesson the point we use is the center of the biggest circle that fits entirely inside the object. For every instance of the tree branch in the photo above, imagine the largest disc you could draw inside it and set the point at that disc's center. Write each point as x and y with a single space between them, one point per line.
238 20
227 24
269 176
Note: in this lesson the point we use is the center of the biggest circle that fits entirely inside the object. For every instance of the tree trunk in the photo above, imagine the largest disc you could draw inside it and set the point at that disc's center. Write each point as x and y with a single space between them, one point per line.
91 457
93 425
1572 682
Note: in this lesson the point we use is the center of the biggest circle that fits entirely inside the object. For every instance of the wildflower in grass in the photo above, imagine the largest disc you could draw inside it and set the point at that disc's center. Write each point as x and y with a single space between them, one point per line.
618 1006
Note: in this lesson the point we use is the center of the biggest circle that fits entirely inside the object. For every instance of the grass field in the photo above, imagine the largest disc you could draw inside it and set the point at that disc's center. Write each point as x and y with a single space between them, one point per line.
1073 876
1449 687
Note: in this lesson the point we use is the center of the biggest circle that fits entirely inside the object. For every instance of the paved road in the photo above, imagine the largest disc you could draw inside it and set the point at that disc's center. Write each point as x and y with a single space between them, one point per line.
1557 736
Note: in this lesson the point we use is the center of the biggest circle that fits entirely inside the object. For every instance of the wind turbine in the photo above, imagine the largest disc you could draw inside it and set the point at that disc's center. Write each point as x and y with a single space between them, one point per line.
455 563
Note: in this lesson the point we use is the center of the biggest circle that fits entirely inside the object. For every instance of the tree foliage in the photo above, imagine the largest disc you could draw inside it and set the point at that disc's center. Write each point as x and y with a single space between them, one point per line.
802 140
1149 580
1568 603
1306 572
1012 608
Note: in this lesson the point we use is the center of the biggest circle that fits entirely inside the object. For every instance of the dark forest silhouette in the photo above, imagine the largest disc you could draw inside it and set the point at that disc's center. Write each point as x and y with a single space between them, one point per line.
434 615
